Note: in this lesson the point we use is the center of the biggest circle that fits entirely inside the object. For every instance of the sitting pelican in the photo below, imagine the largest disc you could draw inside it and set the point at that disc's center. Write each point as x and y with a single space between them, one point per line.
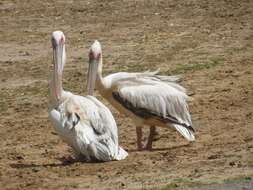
84 123
147 98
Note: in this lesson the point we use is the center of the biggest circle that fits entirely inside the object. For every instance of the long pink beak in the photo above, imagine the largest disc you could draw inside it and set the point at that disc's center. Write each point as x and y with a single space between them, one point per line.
92 75
58 67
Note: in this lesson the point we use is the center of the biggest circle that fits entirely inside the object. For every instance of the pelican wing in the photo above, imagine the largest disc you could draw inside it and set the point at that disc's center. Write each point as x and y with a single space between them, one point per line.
100 124
59 124
146 77
154 75
169 80
149 98
102 120
88 127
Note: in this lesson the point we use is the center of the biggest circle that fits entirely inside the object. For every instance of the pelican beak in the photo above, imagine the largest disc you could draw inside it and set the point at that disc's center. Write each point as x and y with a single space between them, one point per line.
57 63
92 75
57 58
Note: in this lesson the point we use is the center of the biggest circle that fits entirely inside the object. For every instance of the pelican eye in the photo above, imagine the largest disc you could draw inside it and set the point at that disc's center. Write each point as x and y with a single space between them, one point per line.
54 44
94 56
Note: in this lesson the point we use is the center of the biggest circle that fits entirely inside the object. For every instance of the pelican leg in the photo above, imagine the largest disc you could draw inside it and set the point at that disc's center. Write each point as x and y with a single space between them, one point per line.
156 136
152 133
139 138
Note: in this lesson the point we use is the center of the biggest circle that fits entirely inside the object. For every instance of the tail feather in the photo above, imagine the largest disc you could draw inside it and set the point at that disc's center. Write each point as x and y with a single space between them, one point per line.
164 78
122 154
172 78
152 72
186 132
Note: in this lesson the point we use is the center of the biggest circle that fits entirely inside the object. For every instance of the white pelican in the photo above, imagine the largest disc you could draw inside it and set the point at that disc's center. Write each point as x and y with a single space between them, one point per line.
148 98
84 123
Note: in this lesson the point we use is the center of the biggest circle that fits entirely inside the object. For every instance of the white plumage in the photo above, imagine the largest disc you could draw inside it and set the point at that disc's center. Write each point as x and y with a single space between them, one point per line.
88 127
148 93
148 98
84 123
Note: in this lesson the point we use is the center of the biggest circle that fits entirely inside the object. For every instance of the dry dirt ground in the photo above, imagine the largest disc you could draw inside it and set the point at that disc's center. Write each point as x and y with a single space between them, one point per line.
210 42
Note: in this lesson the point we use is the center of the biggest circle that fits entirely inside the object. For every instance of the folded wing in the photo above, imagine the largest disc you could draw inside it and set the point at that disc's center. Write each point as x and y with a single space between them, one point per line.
148 98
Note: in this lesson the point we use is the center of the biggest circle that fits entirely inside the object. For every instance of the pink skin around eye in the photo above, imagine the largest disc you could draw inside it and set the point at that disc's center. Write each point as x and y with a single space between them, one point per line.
92 55
62 40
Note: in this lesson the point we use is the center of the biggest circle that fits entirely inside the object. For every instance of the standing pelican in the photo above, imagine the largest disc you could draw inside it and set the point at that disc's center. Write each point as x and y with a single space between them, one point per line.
84 123
148 98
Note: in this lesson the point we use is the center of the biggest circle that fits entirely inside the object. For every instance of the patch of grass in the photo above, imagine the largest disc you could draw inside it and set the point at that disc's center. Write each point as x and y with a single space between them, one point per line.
197 66
176 184
3 106
239 178
170 186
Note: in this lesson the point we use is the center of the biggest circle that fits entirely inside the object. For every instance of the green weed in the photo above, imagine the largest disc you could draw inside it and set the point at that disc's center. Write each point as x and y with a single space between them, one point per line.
170 186
197 66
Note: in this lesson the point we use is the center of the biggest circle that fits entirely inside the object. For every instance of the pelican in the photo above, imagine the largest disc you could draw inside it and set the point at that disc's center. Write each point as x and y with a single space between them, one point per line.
149 99
84 123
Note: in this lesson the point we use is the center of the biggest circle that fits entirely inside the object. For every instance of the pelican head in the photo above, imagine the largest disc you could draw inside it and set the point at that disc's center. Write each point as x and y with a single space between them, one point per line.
58 44
57 38
59 58
95 54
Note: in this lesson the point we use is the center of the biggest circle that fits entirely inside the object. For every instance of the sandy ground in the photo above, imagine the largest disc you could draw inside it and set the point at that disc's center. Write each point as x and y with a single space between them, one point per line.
209 42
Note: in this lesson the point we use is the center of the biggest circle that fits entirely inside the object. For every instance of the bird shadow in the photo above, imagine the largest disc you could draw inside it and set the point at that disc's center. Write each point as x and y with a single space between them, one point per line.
161 149
63 162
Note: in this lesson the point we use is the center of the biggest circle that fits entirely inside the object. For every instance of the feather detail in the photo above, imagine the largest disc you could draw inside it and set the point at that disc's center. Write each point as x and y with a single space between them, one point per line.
88 127
148 98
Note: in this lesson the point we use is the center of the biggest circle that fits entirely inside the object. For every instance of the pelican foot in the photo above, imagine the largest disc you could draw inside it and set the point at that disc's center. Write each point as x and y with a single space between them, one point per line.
140 147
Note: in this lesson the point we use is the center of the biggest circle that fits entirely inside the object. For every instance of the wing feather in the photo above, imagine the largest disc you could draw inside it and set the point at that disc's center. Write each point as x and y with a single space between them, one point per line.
149 98
89 127
100 119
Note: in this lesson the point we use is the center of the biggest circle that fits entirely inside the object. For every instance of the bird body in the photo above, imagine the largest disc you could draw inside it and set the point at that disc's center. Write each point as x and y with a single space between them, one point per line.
84 123
148 98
